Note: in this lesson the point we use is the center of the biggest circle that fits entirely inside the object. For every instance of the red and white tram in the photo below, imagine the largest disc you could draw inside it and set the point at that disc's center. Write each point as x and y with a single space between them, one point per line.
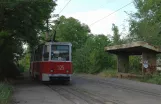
51 61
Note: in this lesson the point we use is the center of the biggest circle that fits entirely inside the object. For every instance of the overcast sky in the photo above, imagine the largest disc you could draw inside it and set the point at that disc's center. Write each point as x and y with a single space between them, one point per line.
89 11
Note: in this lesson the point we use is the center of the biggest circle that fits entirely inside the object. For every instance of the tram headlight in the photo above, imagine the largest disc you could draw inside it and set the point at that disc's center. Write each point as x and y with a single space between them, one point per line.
51 70
67 71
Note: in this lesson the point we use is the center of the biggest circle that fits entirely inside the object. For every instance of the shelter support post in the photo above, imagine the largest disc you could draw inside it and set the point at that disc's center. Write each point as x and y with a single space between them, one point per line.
122 63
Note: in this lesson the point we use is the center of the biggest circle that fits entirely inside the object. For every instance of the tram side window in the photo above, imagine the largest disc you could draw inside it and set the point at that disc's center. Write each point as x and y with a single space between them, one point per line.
38 54
46 53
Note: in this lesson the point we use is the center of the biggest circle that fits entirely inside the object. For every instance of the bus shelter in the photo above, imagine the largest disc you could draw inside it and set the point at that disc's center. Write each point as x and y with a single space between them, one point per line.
147 51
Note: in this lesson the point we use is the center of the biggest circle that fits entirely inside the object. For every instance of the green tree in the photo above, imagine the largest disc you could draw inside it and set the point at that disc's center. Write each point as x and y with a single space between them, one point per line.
116 36
71 30
25 62
146 22
20 22
92 57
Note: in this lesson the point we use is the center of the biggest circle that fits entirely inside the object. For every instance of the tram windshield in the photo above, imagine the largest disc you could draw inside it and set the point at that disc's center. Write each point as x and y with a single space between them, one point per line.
60 52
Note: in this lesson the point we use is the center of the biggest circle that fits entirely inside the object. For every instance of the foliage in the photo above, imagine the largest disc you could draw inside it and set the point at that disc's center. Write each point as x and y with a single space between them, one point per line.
134 64
116 36
5 93
145 24
24 63
25 23
20 22
155 79
71 30
92 57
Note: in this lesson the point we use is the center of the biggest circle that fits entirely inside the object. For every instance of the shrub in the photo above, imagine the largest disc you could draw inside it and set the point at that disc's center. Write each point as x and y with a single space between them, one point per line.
5 93
155 79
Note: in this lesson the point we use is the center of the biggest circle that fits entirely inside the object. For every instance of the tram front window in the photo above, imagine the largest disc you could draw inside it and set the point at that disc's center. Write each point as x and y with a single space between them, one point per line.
60 52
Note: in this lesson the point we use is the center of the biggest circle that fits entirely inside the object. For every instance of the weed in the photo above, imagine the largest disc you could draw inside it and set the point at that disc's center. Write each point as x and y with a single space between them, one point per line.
108 73
5 93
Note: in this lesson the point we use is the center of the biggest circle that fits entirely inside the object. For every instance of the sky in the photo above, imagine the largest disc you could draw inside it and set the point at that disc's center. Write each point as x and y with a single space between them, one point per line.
89 11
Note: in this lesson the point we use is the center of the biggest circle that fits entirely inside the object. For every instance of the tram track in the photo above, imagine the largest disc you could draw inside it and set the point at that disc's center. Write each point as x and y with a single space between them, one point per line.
82 95
76 96
84 90
122 87
107 98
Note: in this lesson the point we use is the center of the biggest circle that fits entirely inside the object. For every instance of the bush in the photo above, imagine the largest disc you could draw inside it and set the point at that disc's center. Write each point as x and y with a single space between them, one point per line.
5 93
24 63
155 79
135 65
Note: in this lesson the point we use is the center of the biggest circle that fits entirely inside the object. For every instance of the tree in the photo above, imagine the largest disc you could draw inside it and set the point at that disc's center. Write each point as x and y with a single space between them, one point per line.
25 61
20 22
71 30
92 56
145 24
116 36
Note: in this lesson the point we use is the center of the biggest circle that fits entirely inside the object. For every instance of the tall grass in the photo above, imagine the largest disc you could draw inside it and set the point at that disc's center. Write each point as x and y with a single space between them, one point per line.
108 73
5 93
155 79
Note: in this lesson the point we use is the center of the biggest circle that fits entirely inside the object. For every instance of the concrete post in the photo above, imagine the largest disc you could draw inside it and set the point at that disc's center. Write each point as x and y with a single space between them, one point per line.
123 63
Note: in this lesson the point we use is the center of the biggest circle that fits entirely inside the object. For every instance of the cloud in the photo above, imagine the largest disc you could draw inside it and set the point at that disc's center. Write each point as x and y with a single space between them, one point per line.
91 13
89 17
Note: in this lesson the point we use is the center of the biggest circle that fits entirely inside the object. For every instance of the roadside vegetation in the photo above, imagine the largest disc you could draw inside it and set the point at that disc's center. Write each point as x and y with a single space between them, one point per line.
108 73
155 79
5 93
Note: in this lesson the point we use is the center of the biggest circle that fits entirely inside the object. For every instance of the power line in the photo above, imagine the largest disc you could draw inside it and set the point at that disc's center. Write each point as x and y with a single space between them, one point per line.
65 6
110 14
53 37
62 10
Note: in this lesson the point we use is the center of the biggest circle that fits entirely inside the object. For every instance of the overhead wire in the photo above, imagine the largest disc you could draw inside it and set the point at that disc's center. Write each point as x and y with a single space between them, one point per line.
62 11
111 14
65 6
59 21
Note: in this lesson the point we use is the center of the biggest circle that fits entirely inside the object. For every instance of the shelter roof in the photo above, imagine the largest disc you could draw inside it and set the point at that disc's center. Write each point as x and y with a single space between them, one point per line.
135 48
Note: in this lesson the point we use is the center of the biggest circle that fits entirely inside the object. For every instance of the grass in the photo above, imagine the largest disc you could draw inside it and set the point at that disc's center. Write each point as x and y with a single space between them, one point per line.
155 79
5 93
108 73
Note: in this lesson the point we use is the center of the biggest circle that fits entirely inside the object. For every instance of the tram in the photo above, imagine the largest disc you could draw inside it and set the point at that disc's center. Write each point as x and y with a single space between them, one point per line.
52 61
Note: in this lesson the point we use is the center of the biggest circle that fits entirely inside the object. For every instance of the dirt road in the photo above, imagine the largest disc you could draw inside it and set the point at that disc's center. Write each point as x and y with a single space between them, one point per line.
93 90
